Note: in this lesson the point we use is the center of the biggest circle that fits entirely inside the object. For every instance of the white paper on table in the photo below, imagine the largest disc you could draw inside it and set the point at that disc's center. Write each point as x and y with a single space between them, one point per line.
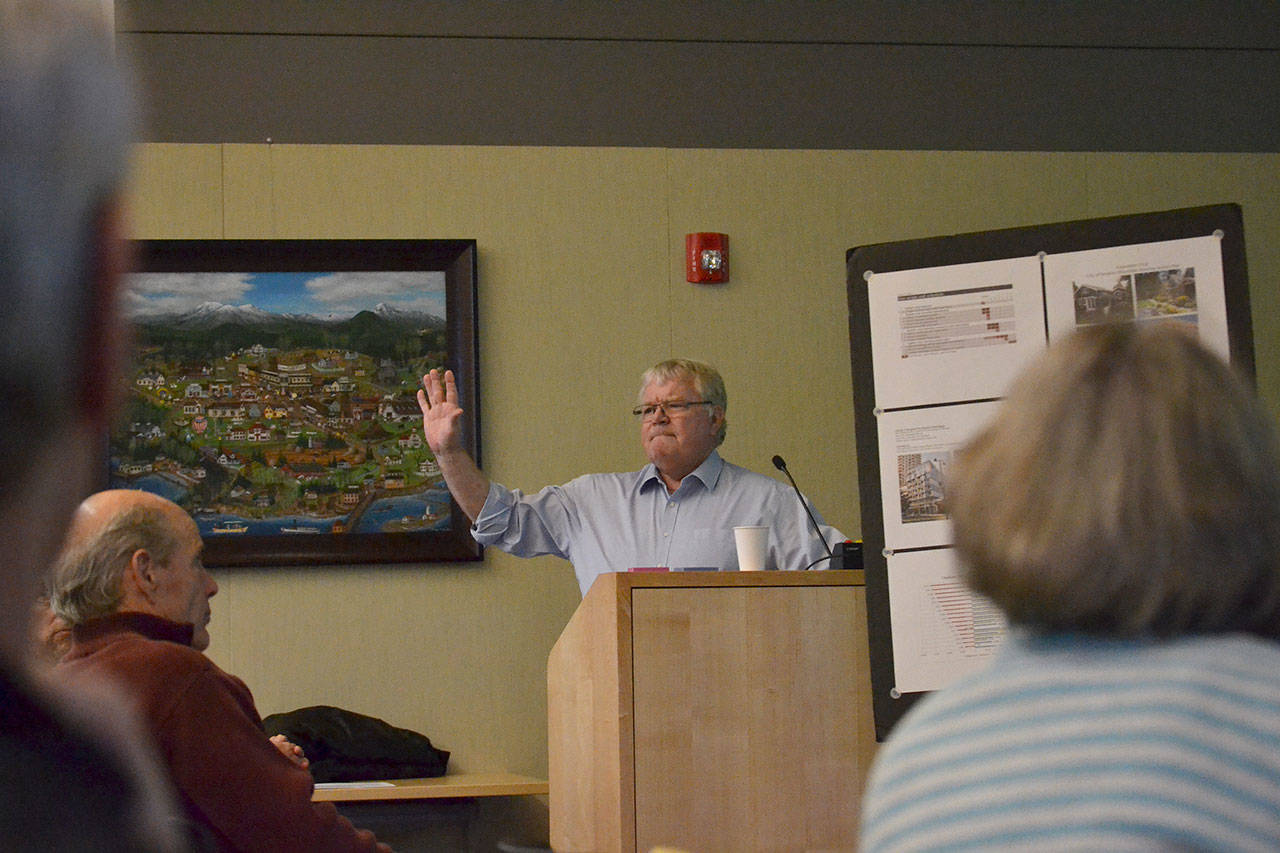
335 786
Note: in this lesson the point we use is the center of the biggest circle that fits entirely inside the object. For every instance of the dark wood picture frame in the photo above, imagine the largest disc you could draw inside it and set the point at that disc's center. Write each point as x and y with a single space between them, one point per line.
266 423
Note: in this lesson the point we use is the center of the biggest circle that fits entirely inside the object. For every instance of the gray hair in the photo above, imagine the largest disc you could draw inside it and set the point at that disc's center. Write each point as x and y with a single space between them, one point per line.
1129 485
705 378
86 579
66 123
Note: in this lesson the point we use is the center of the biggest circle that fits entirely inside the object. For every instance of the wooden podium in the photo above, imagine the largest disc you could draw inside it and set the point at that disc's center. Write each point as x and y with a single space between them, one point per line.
711 711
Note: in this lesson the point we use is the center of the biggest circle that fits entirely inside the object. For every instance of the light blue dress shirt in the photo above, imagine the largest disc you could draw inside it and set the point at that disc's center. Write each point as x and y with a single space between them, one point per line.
614 522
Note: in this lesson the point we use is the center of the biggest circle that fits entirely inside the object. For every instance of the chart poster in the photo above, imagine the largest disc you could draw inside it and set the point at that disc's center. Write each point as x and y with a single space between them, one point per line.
917 447
952 333
939 328
1172 281
951 631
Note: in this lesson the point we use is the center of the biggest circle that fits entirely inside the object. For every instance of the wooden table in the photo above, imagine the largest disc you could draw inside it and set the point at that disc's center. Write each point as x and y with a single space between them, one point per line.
440 787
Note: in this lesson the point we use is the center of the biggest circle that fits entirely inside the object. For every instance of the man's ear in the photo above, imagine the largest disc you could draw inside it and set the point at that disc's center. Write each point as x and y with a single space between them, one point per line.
140 575
717 417
105 333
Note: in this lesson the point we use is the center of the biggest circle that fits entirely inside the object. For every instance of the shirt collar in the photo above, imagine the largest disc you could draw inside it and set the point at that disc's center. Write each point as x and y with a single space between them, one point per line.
154 627
708 474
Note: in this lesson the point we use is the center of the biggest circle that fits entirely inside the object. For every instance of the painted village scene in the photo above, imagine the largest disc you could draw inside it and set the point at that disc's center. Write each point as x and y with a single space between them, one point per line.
284 403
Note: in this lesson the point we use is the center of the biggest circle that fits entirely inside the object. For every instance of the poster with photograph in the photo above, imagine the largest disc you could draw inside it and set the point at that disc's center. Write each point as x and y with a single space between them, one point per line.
916 448
939 328
1172 281
952 333
941 630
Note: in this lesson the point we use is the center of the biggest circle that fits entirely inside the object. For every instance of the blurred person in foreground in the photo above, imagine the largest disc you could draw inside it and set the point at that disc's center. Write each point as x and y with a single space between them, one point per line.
74 773
1123 510
678 511
131 586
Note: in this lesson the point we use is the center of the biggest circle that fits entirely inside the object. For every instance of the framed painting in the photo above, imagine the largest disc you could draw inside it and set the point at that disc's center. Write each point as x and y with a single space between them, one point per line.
273 395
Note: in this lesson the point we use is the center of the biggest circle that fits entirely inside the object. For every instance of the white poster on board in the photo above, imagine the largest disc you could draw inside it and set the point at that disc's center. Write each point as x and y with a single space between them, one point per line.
945 344
916 449
1172 281
952 333
952 632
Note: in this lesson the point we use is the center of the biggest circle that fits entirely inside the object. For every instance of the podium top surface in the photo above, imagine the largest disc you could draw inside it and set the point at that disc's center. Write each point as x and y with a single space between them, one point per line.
623 581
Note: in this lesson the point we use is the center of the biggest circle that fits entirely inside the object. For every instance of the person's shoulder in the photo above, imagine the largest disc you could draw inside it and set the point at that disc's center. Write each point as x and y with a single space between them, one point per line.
135 658
102 754
164 651
740 476
739 471
604 481
1237 644
1226 658
62 790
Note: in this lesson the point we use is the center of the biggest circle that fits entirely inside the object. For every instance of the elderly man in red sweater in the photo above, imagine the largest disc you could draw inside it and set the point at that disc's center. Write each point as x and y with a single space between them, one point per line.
131 585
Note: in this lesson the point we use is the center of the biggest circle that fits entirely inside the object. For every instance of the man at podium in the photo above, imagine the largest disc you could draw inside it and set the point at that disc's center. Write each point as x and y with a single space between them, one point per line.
677 512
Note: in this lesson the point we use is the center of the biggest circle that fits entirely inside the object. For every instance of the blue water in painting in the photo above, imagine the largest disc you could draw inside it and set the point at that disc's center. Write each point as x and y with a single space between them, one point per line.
414 506
262 527
162 486
375 516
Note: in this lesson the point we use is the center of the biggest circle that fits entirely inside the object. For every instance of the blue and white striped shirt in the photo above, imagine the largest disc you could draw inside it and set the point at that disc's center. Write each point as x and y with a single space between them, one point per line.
1073 743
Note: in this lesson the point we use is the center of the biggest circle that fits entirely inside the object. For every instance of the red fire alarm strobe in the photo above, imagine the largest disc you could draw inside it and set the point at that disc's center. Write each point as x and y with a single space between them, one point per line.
706 257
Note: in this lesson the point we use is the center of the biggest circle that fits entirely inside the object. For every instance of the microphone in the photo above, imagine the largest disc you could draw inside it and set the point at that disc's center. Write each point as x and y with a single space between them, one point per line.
782 466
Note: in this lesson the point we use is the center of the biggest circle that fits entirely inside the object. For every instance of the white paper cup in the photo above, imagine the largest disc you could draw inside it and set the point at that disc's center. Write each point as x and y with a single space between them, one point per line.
753 546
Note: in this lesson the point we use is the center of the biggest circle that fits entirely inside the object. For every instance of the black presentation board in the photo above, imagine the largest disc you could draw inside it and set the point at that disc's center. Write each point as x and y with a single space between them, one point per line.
864 263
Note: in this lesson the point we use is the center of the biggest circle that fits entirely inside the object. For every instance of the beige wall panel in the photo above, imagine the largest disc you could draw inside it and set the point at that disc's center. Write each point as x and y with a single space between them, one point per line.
249 191
911 194
177 192
456 652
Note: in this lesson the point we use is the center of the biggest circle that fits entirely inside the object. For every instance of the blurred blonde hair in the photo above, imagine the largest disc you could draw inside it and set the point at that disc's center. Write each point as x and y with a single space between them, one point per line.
1129 485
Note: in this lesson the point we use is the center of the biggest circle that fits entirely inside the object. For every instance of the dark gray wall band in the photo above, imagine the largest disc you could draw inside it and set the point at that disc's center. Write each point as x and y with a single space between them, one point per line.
974 76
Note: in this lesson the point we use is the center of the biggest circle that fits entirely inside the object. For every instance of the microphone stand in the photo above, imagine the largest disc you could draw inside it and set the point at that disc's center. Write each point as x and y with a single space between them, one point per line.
782 466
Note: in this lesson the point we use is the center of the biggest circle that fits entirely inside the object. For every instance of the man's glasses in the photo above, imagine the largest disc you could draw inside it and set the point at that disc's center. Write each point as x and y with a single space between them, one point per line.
671 409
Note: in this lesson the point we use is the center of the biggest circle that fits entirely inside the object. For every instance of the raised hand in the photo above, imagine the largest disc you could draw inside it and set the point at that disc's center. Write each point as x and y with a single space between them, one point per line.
442 426
441 415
